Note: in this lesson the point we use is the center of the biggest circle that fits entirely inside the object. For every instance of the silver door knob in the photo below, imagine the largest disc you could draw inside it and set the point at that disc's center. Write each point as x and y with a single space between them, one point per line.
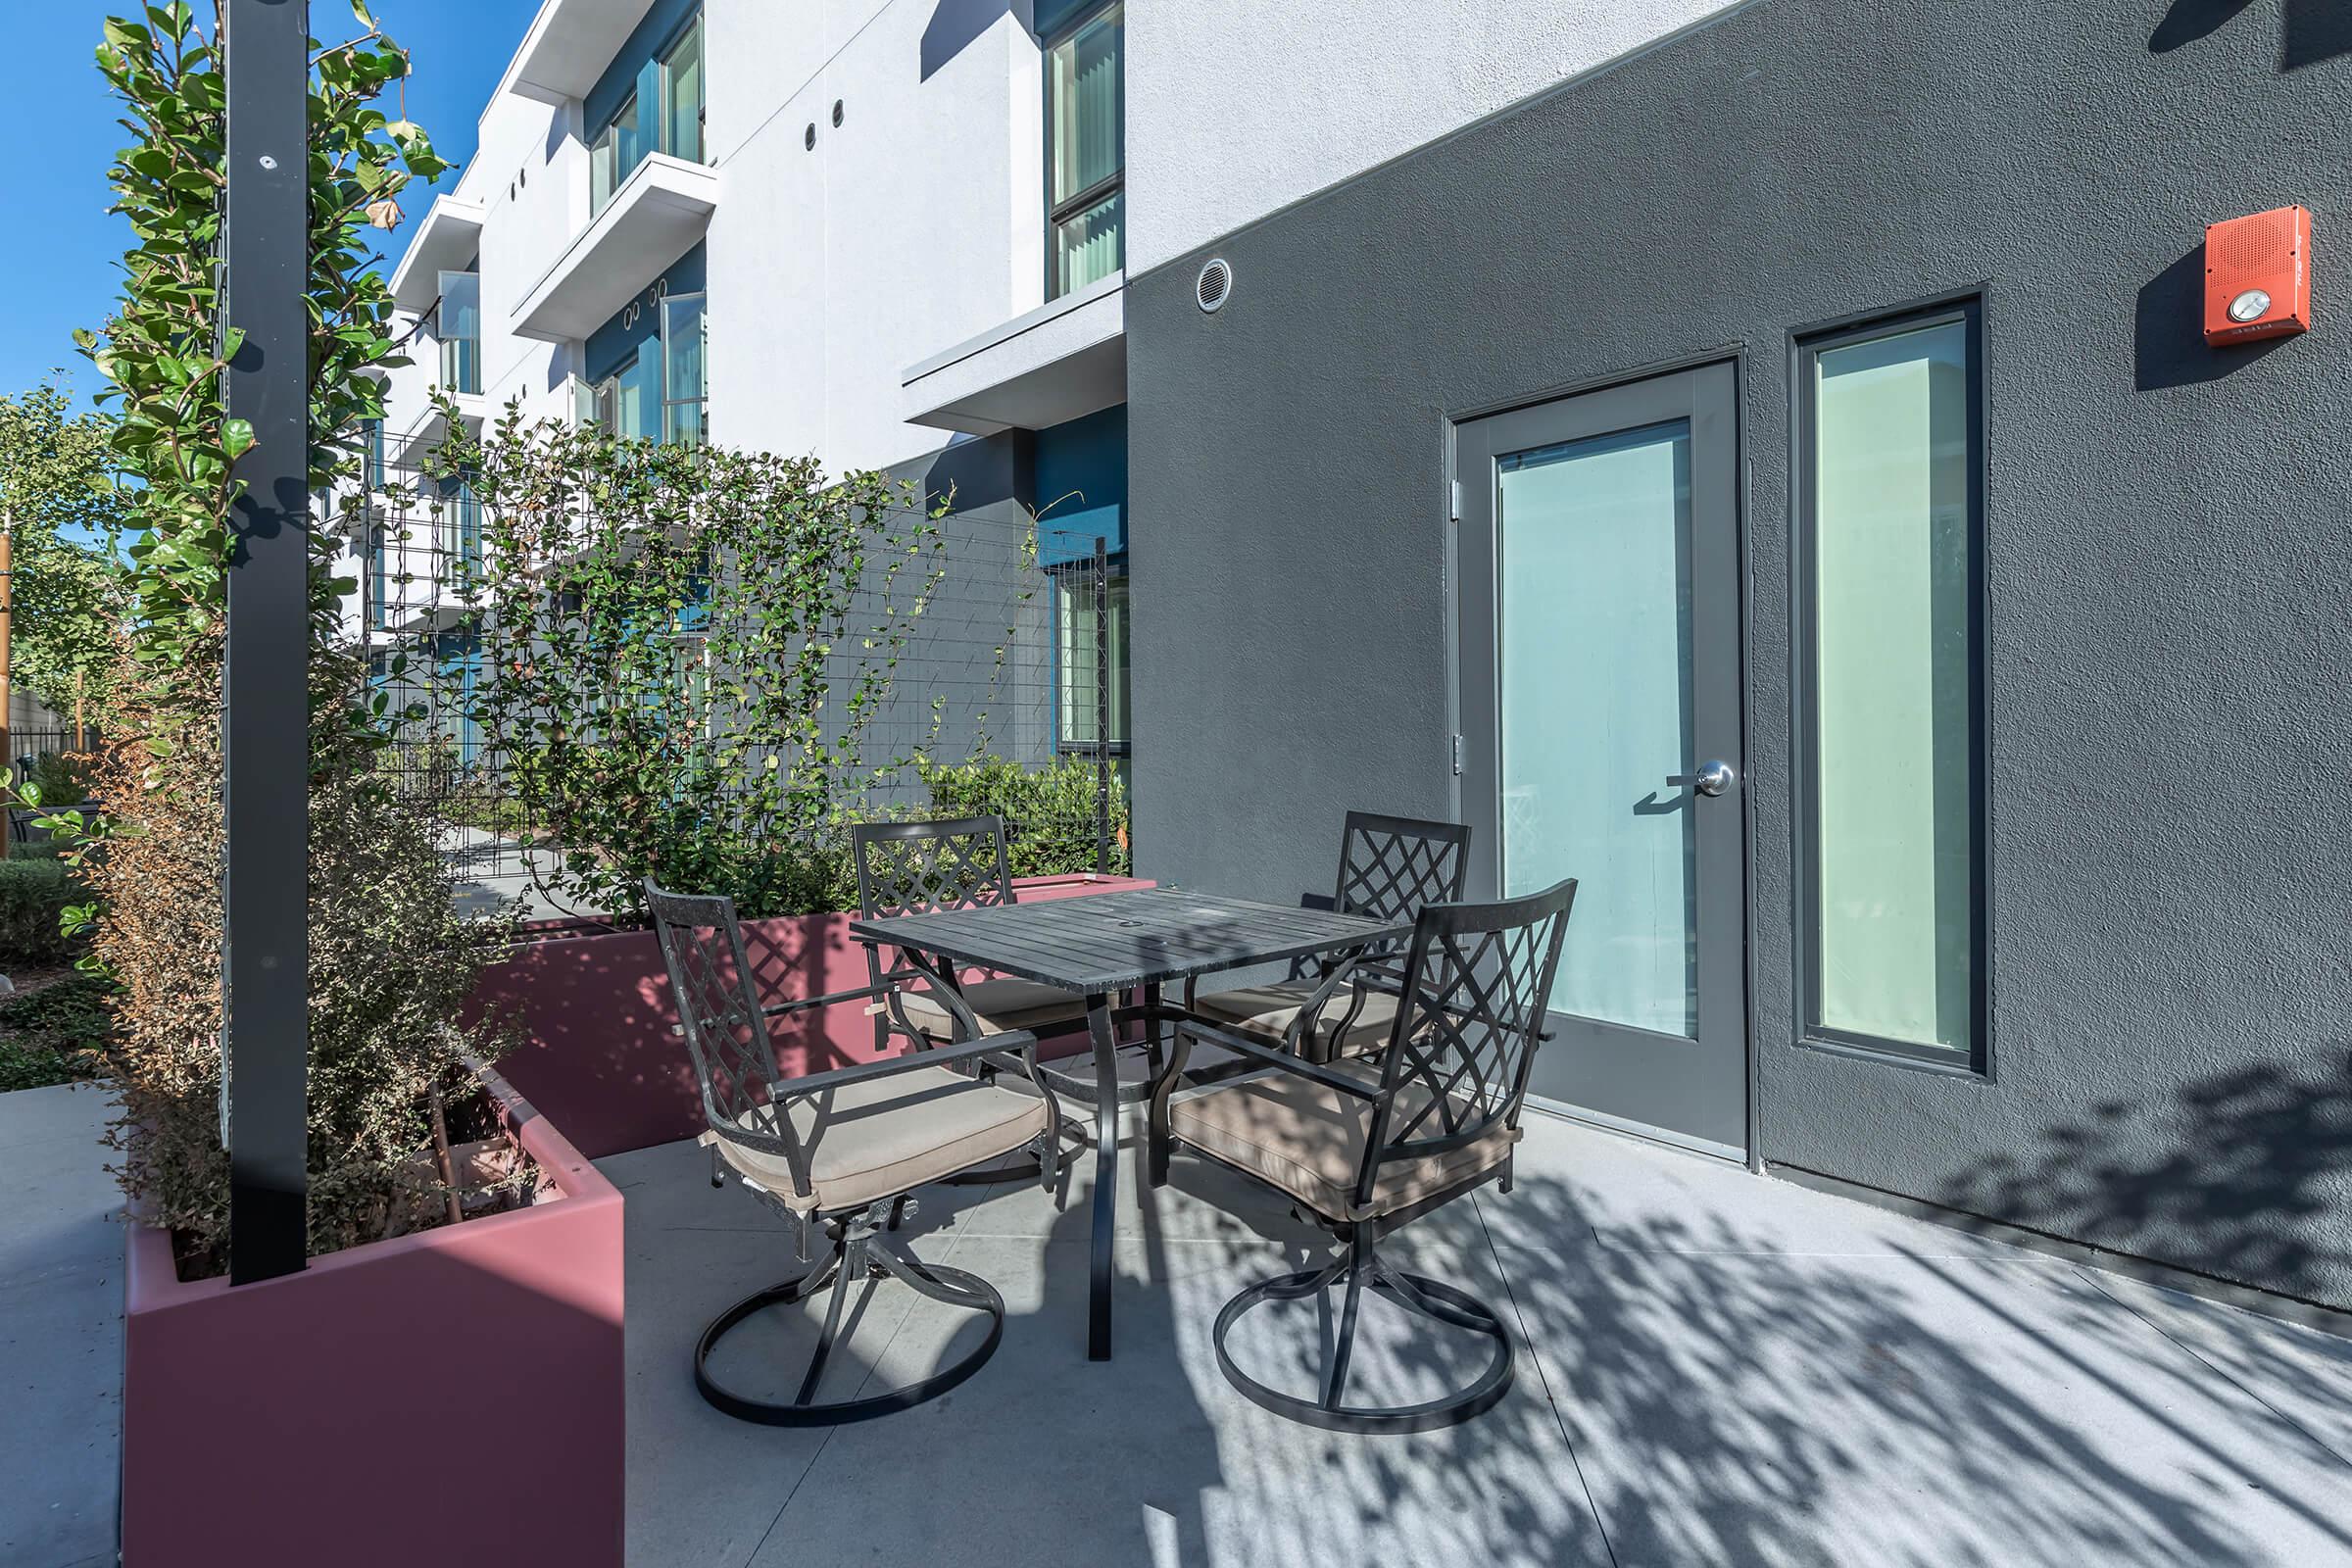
1712 778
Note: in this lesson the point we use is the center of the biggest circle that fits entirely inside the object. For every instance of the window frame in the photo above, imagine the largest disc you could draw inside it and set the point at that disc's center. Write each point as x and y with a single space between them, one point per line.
1806 345
1078 203
652 138
1116 582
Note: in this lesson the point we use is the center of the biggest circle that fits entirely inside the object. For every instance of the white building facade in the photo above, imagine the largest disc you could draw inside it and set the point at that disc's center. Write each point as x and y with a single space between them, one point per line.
895 233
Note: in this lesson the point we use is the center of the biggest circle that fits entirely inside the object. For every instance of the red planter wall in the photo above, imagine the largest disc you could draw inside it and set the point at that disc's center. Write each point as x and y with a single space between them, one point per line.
455 1395
600 1056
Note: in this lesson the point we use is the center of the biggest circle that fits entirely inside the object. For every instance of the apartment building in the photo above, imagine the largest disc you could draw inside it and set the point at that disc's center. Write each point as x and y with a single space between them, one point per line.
1762 459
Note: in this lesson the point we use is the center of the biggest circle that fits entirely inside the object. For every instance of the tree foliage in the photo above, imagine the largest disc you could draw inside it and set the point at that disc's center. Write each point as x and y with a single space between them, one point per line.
67 600
391 961
683 650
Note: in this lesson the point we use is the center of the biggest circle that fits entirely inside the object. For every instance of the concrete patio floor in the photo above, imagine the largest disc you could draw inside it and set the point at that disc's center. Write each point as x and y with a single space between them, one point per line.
61 1331
1715 1369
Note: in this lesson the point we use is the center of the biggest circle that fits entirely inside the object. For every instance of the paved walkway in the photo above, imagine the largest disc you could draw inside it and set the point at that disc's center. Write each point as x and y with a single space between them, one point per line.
61 1331
1717 1369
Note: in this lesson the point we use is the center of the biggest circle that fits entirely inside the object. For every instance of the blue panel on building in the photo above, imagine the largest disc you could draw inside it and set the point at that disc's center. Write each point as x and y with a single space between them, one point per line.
615 343
1051 15
661 24
1082 486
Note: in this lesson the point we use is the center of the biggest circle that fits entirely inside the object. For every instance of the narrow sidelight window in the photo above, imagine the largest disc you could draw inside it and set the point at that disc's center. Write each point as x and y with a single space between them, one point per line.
1086 153
1892 573
1087 686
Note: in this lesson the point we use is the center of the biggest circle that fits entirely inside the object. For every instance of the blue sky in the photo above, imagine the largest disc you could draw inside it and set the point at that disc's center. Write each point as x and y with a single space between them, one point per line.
63 270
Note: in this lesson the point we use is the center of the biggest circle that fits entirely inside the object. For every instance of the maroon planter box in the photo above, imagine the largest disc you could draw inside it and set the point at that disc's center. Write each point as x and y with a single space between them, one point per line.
452 1395
600 1056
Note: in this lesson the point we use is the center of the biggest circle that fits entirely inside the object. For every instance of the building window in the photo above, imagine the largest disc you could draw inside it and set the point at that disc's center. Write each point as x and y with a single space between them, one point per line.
460 537
658 393
458 660
1891 564
458 323
1078 632
372 479
684 332
379 579
1086 152
664 114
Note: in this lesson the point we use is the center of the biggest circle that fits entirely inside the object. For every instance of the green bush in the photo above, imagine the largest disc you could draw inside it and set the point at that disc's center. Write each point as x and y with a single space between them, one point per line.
33 895
64 778
1048 812
52 1035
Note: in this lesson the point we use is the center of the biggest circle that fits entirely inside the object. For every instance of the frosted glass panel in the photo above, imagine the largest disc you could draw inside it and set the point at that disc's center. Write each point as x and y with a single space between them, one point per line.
1894 832
1594 561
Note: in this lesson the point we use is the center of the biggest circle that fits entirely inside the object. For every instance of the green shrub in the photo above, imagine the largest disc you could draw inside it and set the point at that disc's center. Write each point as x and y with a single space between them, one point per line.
64 778
52 1035
1048 812
33 895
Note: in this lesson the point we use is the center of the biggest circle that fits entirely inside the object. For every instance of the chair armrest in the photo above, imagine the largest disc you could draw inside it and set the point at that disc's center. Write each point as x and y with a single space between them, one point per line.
1283 1060
1018 1042
831 998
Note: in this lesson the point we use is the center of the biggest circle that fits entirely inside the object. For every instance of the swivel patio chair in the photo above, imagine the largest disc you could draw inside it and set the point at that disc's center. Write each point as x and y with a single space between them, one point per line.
1389 866
928 867
836 1153
960 863
1366 1147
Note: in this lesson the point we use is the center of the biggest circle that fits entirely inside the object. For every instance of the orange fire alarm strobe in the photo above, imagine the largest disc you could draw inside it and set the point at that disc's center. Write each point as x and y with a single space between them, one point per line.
2258 276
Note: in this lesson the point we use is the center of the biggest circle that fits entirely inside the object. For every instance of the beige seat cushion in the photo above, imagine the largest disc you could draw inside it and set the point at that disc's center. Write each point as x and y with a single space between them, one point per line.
887 1136
1309 1141
1002 1006
1266 1011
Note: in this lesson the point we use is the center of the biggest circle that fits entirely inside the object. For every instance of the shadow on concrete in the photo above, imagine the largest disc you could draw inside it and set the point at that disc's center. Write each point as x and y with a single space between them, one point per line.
2251 1186
2187 20
2168 335
2310 31
2316 31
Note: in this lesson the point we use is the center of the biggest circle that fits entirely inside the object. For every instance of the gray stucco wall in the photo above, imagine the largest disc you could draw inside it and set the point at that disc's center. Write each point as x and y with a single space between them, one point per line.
2169 566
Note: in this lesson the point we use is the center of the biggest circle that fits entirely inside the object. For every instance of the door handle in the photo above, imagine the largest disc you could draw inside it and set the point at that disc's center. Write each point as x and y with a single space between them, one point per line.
1712 778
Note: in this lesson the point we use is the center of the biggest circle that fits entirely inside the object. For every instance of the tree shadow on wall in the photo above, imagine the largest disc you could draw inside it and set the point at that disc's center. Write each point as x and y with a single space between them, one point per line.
2249 1178
2310 31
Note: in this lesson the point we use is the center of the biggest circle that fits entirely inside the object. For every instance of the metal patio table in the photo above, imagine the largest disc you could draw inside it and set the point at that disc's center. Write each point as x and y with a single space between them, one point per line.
1105 946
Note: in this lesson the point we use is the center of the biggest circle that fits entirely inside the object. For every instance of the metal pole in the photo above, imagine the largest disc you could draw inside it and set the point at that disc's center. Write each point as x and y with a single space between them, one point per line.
1102 706
265 700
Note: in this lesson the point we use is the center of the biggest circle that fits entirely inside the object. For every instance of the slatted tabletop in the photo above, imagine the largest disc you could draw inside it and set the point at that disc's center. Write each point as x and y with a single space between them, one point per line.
1110 941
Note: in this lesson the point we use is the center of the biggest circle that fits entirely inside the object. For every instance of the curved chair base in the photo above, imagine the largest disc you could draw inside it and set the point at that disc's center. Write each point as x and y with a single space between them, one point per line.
864 1257
1416 1294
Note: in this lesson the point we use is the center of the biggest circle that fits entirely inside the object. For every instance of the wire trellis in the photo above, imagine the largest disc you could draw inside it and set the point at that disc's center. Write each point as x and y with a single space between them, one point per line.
1006 694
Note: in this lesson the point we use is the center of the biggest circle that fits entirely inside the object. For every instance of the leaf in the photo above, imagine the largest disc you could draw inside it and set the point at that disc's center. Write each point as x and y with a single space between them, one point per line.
236 437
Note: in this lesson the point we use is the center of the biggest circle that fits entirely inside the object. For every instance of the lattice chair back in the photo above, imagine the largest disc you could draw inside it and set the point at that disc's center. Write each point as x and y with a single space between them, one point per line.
922 868
1392 867
719 1007
1479 978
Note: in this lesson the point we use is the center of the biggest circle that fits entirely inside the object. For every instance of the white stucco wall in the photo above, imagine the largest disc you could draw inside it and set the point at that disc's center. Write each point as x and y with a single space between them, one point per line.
913 224
1238 108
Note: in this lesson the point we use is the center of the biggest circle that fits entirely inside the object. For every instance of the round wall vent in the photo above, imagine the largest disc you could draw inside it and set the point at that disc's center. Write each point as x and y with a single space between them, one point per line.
1214 287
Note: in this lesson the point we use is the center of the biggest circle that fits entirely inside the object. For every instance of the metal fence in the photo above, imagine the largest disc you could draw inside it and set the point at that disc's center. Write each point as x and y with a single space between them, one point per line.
1005 697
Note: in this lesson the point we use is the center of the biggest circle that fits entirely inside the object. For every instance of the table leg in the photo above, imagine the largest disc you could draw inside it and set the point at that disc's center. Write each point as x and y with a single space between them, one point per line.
1106 1174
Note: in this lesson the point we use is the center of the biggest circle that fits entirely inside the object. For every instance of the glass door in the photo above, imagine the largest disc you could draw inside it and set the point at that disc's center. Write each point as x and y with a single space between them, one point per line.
1600 702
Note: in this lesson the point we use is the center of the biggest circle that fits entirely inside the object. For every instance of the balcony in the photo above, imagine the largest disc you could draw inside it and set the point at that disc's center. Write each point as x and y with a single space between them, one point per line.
662 209
568 46
408 449
1066 359
446 242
